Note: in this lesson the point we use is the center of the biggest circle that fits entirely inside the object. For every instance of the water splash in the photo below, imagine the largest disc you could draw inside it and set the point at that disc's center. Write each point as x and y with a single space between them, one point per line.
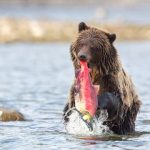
77 126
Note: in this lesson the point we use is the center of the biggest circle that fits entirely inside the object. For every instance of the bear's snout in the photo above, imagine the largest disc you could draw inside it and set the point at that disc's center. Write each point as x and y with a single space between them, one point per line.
82 56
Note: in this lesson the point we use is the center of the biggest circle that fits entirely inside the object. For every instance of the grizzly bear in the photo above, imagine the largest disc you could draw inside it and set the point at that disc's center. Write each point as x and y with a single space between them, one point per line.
117 93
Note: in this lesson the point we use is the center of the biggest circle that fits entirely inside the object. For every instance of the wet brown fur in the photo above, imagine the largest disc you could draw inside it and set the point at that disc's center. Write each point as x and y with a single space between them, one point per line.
10 115
110 75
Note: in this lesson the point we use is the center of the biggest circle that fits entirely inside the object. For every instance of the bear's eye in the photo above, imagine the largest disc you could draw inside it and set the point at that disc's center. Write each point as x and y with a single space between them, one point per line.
93 49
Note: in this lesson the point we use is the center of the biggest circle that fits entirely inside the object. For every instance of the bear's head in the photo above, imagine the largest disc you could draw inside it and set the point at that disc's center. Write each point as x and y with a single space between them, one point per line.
96 47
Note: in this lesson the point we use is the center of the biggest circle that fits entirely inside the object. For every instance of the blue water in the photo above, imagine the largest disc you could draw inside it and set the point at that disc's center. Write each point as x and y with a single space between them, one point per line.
35 79
137 12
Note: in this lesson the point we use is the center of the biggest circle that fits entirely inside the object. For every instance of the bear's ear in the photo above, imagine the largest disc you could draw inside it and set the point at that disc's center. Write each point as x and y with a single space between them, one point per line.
112 37
82 26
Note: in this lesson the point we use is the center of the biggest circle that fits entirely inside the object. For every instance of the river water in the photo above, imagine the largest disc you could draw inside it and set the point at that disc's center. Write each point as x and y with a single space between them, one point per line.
35 79
116 12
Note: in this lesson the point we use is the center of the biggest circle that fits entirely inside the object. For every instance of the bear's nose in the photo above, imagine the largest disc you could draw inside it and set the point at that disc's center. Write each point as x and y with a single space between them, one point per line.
82 57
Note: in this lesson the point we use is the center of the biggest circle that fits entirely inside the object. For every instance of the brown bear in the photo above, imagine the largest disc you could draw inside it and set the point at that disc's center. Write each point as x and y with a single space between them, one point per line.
10 115
117 93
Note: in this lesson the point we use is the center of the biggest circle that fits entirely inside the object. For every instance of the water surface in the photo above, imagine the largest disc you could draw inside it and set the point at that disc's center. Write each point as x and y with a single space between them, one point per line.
35 79
127 12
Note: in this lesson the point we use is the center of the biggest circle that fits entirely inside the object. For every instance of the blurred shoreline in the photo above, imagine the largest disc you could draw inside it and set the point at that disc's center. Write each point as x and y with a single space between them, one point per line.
40 30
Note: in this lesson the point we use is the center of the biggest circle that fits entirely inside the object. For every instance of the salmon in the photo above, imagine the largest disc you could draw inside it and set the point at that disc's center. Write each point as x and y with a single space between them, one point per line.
86 94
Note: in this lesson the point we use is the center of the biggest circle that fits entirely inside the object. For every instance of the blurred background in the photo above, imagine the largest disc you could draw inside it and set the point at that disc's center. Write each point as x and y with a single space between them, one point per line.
36 70
50 20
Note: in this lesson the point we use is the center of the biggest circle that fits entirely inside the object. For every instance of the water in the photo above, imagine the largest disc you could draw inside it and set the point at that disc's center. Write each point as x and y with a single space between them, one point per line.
35 79
101 12
76 126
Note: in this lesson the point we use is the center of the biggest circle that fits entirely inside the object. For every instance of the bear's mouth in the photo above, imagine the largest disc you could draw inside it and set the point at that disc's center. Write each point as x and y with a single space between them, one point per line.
91 71
89 65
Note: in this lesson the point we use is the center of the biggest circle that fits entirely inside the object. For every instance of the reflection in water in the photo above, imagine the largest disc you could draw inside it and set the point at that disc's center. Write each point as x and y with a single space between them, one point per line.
35 79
